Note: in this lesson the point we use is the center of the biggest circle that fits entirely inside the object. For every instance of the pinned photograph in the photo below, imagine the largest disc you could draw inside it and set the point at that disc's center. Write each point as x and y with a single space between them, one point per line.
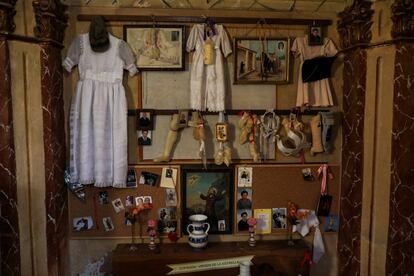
145 120
221 132
167 219
245 175
242 217
279 218
129 201
139 200
82 223
108 224
183 118
245 198
264 221
221 225
103 197
168 178
171 197
148 178
131 178
144 137
118 206
307 174
331 223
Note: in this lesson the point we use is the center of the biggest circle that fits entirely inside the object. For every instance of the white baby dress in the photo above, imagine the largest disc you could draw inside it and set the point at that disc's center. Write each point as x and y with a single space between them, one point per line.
317 93
208 81
98 114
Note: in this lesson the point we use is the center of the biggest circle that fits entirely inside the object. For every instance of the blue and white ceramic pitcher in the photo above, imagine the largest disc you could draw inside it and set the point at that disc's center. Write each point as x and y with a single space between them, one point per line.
198 237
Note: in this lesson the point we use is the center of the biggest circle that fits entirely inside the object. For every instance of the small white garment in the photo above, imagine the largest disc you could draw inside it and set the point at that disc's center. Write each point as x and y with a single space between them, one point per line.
317 93
303 228
208 81
98 113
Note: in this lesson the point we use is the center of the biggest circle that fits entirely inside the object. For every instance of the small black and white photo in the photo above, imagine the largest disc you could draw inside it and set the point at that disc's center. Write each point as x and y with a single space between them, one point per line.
245 198
82 223
169 173
279 218
147 199
183 118
108 224
167 219
168 177
131 178
139 200
245 175
307 174
170 197
221 225
103 197
144 137
148 178
118 206
129 201
145 120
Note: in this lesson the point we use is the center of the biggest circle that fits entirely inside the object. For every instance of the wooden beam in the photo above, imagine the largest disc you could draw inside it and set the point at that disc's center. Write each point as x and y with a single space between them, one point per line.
197 19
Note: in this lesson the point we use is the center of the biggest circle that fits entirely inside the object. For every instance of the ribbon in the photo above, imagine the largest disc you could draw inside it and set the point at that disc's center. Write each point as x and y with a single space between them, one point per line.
323 169
306 259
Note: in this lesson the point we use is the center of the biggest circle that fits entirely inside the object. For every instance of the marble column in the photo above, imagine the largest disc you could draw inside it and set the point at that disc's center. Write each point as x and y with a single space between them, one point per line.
55 158
349 238
400 249
9 222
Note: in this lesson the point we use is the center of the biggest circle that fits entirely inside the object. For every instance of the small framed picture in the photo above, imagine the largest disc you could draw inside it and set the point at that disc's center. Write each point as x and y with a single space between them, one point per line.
221 225
315 36
129 201
145 119
167 219
108 224
331 223
221 132
183 118
144 137
82 223
147 199
245 198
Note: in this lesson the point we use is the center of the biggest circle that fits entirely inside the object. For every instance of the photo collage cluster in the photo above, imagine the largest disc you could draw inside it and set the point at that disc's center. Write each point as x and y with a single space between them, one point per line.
268 219
167 213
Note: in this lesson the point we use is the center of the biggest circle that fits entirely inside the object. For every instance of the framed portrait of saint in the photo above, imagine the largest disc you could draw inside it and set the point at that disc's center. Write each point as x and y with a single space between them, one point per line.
315 35
208 192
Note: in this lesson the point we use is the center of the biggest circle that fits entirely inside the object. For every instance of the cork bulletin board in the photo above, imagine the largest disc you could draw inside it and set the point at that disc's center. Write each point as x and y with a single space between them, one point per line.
274 185
97 211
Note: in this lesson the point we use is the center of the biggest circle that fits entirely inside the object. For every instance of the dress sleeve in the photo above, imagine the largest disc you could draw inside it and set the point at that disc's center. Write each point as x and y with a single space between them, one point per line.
330 49
128 57
225 42
73 54
192 39
295 47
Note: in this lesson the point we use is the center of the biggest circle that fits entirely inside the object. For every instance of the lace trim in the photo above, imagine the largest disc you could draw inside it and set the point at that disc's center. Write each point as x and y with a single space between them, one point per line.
115 184
68 64
132 69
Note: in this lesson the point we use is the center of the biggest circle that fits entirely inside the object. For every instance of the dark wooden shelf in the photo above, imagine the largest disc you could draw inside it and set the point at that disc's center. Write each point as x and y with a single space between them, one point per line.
283 258
133 112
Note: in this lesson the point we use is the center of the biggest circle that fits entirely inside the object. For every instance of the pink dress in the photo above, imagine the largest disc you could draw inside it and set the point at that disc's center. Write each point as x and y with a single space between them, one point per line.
317 93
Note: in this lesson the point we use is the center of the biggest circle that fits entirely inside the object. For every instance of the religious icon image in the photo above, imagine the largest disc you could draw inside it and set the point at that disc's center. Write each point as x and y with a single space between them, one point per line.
315 35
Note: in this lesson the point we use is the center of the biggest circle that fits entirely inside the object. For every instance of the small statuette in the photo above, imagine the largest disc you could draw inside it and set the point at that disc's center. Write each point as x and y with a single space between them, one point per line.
252 223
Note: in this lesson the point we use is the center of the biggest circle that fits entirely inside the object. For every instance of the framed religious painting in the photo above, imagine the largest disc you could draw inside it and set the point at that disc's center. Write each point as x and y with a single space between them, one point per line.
208 192
261 61
157 48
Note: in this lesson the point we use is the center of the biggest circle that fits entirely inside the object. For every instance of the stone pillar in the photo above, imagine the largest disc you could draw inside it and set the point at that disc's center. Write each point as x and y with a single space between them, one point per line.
401 228
51 21
354 30
9 223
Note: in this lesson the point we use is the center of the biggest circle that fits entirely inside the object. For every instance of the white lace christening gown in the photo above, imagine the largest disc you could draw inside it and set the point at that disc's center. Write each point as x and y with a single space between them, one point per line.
208 81
98 114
